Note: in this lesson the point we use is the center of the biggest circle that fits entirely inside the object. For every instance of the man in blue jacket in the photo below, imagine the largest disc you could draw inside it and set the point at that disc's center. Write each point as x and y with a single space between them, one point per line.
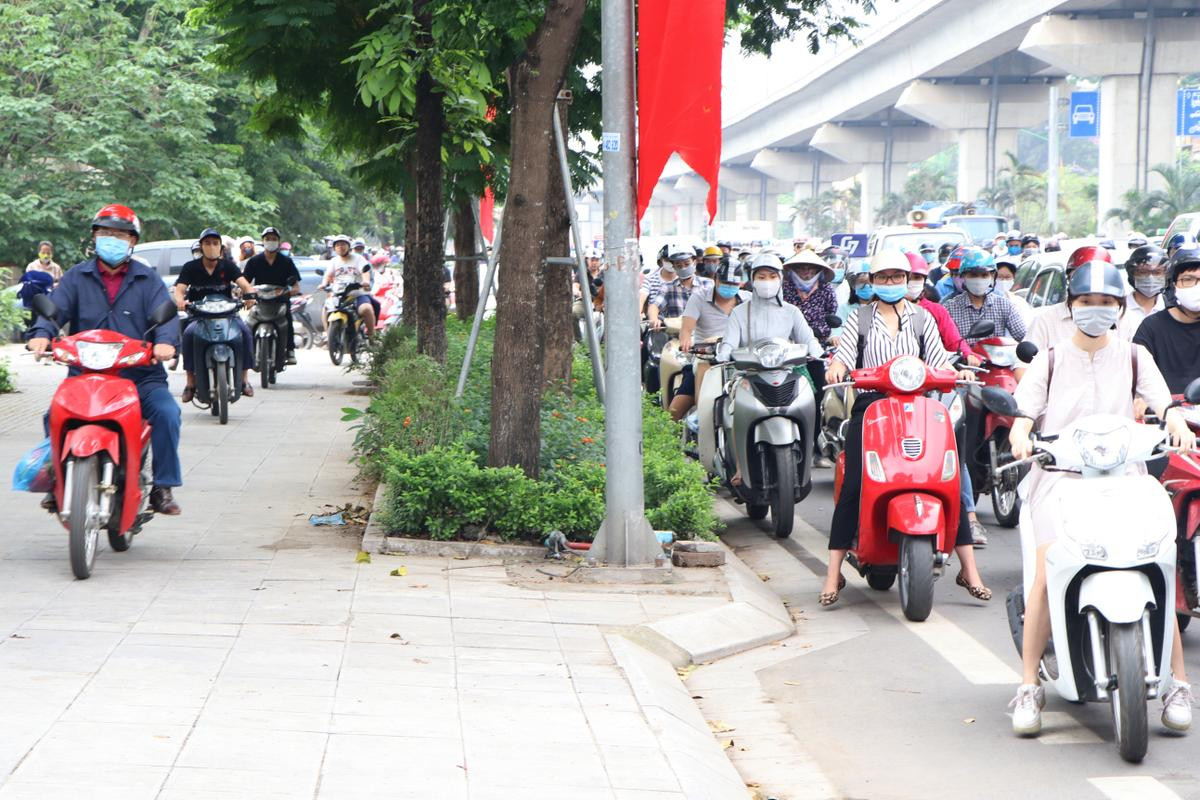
113 291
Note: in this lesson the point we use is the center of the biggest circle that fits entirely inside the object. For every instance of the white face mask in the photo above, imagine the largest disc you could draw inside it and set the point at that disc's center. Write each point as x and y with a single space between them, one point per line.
914 289
766 288
1095 320
1004 286
270 247
978 286
1189 298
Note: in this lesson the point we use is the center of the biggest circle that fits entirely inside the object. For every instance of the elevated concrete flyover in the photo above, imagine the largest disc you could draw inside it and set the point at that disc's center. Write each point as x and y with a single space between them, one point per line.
967 71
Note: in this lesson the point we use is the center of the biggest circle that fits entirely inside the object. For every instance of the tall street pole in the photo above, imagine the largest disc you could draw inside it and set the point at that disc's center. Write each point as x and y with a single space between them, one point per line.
625 538
1052 163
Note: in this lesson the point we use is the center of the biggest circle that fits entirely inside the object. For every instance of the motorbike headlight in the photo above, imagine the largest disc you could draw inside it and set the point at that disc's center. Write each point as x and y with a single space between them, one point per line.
1093 551
65 356
1001 355
1148 549
1103 451
96 355
907 373
874 466
770 355
216 306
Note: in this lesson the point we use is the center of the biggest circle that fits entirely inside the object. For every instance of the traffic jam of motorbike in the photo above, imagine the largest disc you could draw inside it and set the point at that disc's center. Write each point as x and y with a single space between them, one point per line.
109 460
920 382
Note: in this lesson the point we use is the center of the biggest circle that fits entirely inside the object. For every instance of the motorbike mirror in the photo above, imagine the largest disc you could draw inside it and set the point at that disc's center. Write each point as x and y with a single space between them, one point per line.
999 402
163 314
1192 392
319 272
44 307
982 329
833 321
1026 351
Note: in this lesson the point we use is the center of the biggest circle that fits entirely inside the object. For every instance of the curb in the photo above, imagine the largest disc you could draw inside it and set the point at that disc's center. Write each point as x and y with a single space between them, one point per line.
373 536
693 753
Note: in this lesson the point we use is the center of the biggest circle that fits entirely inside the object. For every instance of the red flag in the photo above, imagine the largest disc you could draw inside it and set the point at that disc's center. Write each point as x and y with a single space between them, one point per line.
487 216
679 91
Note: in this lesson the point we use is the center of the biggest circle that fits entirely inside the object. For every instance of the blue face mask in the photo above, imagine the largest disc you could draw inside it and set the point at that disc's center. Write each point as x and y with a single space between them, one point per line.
727 290
1014 249
839 275
285 252
891 294
928 257
866 292
111 250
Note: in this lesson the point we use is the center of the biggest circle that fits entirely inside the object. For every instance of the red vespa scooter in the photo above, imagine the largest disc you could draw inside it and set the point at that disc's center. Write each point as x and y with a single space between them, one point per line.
1181 479
99 442
908 518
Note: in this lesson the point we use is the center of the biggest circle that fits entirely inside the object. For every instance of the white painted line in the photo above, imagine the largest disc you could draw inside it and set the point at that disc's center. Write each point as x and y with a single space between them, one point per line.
1059 727
973 660
1133 788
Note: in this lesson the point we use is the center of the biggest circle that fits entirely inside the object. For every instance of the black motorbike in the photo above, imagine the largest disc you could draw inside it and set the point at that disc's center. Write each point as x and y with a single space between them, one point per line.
269 322
218 354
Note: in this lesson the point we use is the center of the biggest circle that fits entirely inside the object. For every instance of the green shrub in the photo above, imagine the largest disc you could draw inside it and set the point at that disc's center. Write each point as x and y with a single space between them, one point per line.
429 449
6 381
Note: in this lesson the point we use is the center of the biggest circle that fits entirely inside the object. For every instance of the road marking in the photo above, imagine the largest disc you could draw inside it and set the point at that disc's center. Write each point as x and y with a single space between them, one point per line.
973 660
1133 788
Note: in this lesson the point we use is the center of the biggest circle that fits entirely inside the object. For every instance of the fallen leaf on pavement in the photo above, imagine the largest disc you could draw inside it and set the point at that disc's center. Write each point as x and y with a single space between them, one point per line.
792 683
363 557
697 697
399 572
683 672
726 744
764 577
968 720
398 636
420 661
419 586
716 726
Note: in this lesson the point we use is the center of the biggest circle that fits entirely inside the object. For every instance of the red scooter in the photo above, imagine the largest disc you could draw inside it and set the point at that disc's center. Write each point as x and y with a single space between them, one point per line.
99 442
908 518
987 433
1181 479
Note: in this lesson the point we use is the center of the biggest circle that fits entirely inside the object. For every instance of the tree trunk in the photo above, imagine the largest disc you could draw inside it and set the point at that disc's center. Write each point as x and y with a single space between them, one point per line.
534 81
558 336
428 213
409 273
466 273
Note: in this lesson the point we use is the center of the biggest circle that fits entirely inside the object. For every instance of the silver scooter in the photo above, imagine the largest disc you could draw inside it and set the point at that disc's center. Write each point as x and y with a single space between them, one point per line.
757 419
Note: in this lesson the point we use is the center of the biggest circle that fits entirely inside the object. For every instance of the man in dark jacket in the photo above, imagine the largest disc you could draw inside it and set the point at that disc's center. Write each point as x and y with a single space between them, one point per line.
113 291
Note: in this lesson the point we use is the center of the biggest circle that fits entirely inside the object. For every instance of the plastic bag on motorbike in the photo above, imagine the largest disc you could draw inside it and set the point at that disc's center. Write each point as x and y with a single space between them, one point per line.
33 472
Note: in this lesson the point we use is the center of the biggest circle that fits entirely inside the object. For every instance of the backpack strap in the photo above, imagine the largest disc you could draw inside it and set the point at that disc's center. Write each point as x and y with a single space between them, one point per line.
866 315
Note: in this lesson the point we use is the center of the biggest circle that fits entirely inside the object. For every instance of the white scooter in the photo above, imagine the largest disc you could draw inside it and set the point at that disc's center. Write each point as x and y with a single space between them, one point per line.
1110 574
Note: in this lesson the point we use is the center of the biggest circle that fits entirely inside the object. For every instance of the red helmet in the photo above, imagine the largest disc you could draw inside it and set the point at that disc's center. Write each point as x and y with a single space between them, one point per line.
119 218
917 265
955 259
1089 252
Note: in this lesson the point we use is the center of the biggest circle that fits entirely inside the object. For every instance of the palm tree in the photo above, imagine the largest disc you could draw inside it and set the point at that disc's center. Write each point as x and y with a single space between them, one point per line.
893 209
1156 209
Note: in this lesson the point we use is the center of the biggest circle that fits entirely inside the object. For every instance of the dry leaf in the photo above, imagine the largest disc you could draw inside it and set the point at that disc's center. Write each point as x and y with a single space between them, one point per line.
716 726
363 557
398 636
792 683
683 672
420 661
764 577
399 572
968 720
726 744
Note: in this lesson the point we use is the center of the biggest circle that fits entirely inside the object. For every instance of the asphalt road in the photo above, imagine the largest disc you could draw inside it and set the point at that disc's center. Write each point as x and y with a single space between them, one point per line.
894 709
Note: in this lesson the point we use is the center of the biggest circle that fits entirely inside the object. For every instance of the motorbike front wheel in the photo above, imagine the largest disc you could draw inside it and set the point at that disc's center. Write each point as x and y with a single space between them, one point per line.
352 338
266 362
783 497
222 400
1127 660
916 576
1005 502
337 342
84 507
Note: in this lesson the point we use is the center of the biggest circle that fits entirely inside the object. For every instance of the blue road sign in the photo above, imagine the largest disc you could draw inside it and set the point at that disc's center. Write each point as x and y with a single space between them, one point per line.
855 244
1187 114
1083 119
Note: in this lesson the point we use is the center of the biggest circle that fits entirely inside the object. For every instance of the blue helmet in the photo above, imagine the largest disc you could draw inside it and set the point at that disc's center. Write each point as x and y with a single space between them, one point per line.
1180 241
977 258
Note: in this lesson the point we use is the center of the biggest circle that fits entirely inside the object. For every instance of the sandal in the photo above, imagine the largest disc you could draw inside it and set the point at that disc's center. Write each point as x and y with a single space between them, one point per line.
188 393
978 592
829 598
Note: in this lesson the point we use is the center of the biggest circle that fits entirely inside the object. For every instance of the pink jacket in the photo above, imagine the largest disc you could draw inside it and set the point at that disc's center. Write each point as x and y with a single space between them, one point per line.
951 339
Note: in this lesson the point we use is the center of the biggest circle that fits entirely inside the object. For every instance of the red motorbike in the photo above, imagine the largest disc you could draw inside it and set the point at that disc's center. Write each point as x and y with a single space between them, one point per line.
908 518
99 442
987 433
1181 479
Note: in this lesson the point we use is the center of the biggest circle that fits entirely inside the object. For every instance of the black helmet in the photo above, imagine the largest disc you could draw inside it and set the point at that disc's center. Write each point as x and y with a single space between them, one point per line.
1096 277
1146 254
209 233
1029 239
1135 241
834 256
944 252
1180 241
662 253
730 271
1184 259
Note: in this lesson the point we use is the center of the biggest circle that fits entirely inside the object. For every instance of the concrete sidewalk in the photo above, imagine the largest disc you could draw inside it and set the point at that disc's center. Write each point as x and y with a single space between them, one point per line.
238 652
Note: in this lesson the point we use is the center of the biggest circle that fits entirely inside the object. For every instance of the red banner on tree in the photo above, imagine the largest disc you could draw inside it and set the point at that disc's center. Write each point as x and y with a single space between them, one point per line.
487 215
679 91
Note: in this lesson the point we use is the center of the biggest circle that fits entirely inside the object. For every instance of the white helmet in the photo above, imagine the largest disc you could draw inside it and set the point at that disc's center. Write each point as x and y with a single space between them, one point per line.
341 237
767 261
594 252
889 259
359 243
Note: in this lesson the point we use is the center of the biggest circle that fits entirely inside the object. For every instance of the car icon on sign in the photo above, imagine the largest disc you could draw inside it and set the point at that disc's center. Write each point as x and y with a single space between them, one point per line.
1083 113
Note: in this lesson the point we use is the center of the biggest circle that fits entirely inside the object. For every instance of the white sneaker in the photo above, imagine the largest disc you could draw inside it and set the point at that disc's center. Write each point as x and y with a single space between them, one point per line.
1177 707
1027 709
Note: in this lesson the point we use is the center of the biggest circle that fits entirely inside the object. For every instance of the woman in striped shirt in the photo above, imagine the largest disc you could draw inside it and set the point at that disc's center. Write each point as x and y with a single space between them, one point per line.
897 327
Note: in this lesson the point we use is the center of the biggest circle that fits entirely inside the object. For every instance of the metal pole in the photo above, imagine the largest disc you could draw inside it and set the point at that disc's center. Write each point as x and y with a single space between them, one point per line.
625 537
483 295
580 264
1052 163
993 119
